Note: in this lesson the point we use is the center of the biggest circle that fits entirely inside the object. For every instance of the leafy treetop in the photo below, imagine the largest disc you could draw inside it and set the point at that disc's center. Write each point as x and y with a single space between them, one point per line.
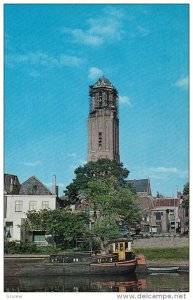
102 168
110 204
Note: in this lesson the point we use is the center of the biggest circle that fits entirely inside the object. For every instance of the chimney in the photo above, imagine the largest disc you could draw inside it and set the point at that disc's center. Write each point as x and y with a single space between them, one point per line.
11 185
54 189
57 190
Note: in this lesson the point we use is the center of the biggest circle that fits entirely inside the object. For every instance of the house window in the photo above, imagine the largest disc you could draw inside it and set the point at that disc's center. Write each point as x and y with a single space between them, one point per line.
32 205
9 230
45 204
100 139
158 216
18 205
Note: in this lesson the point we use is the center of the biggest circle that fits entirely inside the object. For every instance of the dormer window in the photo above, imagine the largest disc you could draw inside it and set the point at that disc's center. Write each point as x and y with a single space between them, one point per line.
34 189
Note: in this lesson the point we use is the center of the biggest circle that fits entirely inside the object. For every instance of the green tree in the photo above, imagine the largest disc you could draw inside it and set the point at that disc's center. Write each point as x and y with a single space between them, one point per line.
110 203
64 226
103 168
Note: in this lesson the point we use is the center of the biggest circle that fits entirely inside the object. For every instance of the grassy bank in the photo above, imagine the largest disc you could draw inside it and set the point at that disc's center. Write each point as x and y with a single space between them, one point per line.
181 253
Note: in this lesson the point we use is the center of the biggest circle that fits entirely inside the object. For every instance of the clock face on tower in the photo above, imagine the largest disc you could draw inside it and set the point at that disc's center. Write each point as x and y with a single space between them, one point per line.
103 121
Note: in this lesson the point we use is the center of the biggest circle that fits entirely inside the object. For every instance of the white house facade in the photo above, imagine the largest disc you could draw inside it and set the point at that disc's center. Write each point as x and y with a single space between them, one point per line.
18 206
33 195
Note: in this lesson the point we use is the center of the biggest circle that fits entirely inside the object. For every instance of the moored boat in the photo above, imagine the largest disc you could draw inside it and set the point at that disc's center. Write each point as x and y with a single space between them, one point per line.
163 269
120 260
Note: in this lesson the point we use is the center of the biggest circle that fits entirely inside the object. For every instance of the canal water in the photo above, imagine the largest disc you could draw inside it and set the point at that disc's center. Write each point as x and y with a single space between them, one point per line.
170 282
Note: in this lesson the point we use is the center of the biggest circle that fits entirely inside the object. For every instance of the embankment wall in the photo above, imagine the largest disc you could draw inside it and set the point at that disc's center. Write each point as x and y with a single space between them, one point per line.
161 242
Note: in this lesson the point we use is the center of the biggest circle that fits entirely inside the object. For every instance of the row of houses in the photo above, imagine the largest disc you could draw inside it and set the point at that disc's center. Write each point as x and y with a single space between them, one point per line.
159 215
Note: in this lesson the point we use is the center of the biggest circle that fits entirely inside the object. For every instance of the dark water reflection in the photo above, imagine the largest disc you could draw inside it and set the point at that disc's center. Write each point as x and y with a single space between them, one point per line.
132 283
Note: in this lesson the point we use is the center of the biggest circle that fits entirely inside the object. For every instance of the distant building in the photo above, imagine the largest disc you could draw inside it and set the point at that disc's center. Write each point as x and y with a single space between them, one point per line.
141 186
32 195
166 214
11 187
145 201
159 220
11 184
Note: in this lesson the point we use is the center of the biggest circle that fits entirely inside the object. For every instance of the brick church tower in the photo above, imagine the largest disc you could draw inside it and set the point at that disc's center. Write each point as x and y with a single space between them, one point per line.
103 121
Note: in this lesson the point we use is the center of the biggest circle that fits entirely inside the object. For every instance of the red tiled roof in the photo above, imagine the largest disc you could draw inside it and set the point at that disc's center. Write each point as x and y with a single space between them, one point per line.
166 202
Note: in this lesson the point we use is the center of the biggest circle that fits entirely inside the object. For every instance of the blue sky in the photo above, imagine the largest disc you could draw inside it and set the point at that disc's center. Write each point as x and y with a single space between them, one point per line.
52 54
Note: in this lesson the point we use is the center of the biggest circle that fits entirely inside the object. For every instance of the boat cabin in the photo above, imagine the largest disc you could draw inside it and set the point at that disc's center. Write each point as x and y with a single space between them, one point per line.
121 247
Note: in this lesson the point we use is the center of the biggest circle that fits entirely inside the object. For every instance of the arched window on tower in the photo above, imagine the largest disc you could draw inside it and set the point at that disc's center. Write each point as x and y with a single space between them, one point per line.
110 99
93 102
107 98
100 99
113 100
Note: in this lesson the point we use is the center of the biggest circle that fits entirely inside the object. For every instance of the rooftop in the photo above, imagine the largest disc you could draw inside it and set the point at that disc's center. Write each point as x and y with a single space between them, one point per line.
33 186
167 202
11 184
102 81
140 185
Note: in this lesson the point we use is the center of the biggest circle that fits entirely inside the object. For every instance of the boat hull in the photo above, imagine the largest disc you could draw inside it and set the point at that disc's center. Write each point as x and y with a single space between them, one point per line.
62 269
